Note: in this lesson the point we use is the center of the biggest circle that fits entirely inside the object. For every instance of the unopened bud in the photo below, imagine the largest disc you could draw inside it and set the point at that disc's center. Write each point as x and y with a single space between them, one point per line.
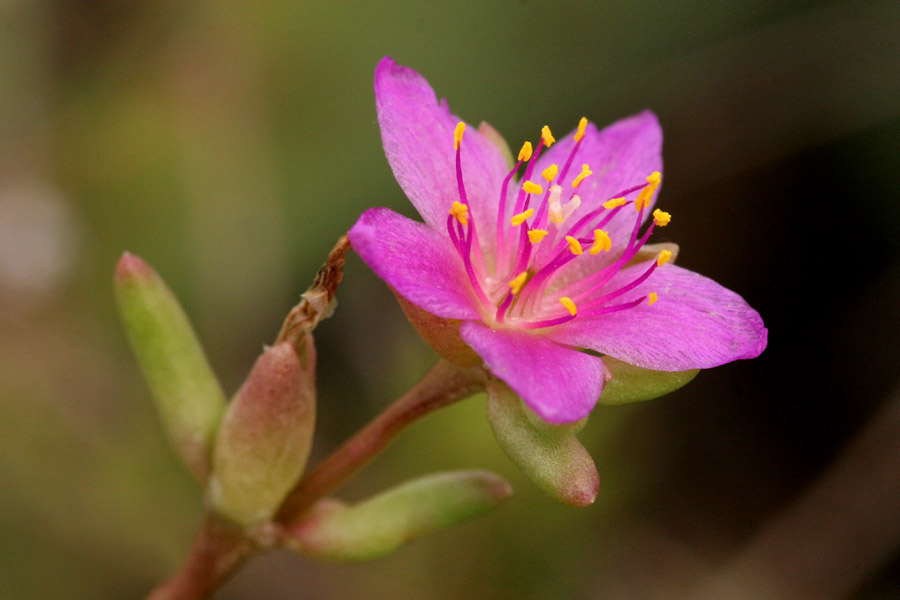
549 455
187 393
265 436
378 526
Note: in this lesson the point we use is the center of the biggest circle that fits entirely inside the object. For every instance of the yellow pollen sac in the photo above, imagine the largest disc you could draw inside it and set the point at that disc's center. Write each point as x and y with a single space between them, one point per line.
532 188
585 171
521 217
615 202
652 298
661 218
461 212
457 134
582 125
516 284
526 152
654 178
663 257
643 198
601 242
536 235
574 245
550 173
547 136
570 306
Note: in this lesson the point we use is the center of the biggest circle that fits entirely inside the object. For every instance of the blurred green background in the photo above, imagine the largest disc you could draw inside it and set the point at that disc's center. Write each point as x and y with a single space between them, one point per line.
230 143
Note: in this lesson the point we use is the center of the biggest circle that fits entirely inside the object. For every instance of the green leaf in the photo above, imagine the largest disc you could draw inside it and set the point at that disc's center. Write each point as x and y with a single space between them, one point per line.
187 393
634 384
549 455
266 435
378 526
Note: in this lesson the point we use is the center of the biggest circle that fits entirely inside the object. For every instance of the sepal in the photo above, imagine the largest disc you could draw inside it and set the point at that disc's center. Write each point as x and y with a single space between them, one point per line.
627 383
549 455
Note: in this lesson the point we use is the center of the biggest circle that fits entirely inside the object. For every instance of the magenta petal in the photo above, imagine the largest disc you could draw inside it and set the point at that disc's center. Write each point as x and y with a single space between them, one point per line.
695 324
560 384
415 260
621 156
417 132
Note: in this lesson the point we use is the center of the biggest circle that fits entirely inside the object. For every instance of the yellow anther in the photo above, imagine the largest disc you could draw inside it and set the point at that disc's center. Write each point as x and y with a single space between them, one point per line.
601 242
652 298
516 284
570 306
526 152
521 217
550 173
663 257
461 212
536 235
582 125
585 171
532 188
644 196
614 203
574 245
547 136
654 178
457 134
661 218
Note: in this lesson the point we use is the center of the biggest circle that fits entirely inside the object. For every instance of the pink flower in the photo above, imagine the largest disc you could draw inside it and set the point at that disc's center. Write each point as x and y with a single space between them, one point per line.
531 272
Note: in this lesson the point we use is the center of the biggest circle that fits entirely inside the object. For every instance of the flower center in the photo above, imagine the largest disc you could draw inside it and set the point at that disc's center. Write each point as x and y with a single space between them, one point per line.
525 283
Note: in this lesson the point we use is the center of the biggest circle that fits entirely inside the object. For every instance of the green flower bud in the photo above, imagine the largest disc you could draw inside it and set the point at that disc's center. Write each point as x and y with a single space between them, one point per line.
187 393
265 436
378 526
549 455
629 383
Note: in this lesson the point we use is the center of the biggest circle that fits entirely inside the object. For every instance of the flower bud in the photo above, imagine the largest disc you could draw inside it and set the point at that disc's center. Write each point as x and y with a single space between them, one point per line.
378 526
187 393
549 455
627 383
265 436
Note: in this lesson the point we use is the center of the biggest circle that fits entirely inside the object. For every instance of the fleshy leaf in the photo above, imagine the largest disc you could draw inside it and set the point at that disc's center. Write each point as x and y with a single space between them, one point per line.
378 526
187 393
549 455
266 435
629 383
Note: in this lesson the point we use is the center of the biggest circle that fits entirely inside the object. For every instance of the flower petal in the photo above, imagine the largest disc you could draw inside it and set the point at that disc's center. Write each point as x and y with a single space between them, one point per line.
417 132
558 383
415 260
695 324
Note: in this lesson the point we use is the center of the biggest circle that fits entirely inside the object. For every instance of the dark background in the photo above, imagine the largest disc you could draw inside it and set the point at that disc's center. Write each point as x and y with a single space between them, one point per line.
230 144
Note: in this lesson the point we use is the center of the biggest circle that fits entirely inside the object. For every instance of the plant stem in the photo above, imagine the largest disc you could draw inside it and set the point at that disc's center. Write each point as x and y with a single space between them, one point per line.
445 384
217 551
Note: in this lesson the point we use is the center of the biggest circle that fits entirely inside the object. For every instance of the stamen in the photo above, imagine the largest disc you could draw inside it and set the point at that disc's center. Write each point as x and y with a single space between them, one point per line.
654 178
663 257
521 217
532 188
602 242
460 211
550 172
661 218
582 125
570 306
516 284
585 171
457 134
536 235
610 204
652 298
574 245
554 205
646 194
526 152
547 136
